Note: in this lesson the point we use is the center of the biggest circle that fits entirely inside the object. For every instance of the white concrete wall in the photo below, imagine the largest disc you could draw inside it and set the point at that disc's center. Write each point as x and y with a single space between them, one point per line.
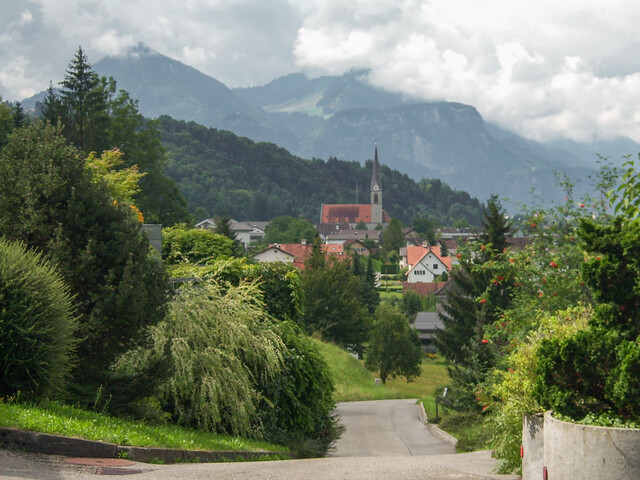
582 452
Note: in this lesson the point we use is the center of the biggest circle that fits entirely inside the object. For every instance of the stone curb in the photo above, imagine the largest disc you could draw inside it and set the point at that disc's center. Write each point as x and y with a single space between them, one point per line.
441 434
77 447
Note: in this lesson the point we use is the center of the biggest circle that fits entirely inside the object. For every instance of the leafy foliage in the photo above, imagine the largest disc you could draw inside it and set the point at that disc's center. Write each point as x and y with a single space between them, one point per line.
50 202
394 347
286 229
331 304
194 245
281 289
220 343
297 405
37 325
599 369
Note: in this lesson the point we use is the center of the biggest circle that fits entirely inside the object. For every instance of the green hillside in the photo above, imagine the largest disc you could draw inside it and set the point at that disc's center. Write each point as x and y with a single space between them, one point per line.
225 174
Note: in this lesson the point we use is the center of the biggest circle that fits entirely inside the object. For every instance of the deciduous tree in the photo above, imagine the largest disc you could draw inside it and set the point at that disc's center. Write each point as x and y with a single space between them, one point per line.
394 348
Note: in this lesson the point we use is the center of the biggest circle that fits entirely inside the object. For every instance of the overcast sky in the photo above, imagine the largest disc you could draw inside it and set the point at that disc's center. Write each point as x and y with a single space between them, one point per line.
543 69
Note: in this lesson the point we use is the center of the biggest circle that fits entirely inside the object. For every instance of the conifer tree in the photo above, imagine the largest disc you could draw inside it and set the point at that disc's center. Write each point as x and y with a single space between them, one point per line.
85 98
52 107
466 314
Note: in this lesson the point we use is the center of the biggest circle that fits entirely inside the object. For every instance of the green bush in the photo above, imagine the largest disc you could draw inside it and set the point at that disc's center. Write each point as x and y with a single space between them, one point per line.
36 325
220 343
297 403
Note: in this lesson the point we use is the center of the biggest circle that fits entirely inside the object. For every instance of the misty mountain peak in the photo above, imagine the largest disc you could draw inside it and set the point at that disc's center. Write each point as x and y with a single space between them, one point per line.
138 50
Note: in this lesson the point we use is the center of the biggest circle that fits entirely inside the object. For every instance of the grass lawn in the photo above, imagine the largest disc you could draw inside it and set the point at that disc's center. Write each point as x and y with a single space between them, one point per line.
57 419
354 382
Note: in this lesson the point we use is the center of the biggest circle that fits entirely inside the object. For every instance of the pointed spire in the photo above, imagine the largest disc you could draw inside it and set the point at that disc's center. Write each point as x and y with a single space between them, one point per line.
376 185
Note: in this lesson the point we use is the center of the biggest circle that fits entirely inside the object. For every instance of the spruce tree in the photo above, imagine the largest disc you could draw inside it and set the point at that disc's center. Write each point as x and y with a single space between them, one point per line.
85 99
53 110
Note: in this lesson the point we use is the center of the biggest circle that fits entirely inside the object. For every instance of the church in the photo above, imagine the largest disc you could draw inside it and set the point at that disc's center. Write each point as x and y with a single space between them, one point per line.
371 214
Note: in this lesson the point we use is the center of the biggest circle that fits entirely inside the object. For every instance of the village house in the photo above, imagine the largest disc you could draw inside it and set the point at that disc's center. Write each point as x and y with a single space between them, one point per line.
425 263
246 232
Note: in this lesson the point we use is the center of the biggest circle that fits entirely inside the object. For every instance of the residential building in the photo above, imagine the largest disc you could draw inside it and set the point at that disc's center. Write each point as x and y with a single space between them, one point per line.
246 232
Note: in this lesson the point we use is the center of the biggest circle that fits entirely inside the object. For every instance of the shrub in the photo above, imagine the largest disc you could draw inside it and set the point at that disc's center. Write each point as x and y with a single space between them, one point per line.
220 343
36 324
297 403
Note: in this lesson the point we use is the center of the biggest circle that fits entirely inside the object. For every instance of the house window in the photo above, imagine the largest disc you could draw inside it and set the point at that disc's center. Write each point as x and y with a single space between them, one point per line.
435 266
419 272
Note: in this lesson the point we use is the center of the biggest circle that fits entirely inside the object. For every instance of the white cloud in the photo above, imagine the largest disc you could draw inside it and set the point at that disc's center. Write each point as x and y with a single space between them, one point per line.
544 68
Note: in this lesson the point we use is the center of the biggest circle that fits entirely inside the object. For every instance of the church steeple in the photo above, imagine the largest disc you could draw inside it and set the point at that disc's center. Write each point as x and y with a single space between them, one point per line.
376 191
376 185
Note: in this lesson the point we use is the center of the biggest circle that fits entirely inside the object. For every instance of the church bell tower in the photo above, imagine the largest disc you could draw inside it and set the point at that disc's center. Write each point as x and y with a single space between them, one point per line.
376 191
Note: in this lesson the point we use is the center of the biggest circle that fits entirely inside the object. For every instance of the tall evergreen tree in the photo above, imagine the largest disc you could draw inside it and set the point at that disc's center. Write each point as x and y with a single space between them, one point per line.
85 98
474 301
19 117
496 227
52 108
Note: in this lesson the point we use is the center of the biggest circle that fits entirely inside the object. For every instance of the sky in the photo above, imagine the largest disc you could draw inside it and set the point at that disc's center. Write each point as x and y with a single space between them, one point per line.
544 69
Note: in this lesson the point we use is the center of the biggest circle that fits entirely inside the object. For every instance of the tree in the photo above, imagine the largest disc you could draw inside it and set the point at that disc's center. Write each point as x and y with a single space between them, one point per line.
6 122
394 347
97 119
286 229
477 299
393 238
51 203
220 344
19 117
53 110
411 304
331 303
496 226
195 245
281 289
85 99
369 295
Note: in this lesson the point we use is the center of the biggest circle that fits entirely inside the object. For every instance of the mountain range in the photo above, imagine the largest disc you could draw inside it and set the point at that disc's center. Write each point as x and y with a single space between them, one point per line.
343 116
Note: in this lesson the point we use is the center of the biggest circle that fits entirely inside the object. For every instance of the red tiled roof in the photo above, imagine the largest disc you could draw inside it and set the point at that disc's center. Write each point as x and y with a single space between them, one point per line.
349 214
302 252
424 289
415 254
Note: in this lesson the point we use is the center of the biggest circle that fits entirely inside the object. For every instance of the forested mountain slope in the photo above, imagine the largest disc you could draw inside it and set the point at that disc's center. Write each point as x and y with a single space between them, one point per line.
229 175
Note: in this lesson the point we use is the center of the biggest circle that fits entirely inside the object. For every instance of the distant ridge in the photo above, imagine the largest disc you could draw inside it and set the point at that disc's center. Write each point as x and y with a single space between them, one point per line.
342 116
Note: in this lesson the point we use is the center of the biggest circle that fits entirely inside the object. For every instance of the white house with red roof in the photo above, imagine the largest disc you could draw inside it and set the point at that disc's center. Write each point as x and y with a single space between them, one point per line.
425 263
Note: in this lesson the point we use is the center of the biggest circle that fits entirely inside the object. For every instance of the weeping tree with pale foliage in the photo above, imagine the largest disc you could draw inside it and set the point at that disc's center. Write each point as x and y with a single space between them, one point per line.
221 343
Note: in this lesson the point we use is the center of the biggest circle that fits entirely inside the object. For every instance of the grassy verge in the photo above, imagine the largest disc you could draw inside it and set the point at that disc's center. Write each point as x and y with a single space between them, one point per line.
354 382
469 428
57 419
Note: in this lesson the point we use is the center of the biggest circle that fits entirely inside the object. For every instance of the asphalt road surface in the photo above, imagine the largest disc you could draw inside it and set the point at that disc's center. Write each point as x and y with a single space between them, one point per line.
384 440
386 428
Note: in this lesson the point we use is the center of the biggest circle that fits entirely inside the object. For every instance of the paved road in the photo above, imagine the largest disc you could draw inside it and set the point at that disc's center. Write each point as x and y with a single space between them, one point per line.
386 428
403 451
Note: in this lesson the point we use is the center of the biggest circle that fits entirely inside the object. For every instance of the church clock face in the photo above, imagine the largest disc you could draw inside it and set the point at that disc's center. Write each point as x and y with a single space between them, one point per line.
375 187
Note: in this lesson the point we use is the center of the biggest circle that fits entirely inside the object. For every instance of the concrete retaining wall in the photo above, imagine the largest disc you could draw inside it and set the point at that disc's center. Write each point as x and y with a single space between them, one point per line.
532 446
572 451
